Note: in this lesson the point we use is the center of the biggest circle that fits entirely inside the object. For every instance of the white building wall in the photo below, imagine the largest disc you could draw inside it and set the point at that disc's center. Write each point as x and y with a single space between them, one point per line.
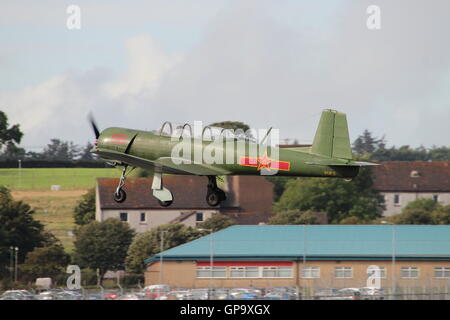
152 218
407 197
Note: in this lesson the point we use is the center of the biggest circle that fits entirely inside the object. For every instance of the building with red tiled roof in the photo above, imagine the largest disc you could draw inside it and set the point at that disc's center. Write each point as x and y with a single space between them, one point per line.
249 201
401 182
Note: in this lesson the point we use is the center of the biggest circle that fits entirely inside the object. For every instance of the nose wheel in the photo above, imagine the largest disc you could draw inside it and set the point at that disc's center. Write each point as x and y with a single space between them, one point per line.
214 195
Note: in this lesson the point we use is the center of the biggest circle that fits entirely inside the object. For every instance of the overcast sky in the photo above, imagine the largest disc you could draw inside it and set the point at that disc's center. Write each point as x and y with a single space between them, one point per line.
267 63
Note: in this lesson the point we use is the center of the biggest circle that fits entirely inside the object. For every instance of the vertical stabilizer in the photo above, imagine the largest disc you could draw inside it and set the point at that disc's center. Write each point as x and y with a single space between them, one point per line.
332 139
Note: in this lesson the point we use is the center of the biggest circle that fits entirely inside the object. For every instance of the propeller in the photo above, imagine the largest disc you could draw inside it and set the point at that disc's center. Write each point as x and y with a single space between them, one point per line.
94 125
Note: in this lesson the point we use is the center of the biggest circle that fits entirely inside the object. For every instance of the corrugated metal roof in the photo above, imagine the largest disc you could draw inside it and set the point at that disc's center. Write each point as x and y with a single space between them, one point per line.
328 242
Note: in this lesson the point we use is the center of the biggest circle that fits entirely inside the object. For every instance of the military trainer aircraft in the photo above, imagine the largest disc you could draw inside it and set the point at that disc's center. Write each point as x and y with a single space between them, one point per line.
329 155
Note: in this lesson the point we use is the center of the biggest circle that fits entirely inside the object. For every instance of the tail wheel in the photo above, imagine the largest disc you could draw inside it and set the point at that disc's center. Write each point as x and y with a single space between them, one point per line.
213 198
120 196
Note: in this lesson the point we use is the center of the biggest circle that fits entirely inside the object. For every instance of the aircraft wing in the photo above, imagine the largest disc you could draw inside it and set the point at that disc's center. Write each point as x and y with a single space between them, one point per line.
165 164
192 168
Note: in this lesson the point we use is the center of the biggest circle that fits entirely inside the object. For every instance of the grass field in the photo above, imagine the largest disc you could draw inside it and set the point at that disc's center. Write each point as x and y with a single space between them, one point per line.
54 209
44 178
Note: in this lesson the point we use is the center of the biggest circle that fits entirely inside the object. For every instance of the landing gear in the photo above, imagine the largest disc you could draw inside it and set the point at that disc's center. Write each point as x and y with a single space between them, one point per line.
214 195
120 195
164 196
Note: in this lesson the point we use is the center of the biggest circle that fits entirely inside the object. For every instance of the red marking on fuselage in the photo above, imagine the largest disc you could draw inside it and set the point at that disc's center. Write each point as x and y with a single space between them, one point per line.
264 162
119 138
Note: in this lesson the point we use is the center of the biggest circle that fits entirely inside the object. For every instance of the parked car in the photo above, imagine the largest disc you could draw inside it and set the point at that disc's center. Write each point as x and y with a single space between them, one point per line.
154 291
111 295
348 294
372 293
17 295
326 294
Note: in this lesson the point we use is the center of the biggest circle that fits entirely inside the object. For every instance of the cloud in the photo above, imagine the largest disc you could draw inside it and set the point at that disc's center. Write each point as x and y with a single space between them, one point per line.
258 64
147 63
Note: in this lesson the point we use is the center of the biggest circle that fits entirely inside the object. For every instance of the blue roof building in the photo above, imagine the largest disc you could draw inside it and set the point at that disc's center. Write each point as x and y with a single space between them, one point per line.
298 255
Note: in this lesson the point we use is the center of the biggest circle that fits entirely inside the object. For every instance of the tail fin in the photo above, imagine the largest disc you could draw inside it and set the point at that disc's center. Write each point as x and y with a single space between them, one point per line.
332 139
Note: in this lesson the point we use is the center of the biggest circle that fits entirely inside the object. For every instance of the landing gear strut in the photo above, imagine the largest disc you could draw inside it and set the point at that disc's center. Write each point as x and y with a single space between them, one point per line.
164 196
214 195
120 195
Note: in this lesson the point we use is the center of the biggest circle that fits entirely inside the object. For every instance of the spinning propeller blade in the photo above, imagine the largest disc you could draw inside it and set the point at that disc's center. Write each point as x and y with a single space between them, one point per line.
94 126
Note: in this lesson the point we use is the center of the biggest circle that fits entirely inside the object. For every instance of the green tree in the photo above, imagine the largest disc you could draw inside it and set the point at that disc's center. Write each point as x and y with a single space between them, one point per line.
148 243
18 226
279 185
423 204
60 150
85 153
294 217
338 198
413 216
423 211
84 212
441 215
353 220
366 144
103 245
216 222
49 261
233 125
9 138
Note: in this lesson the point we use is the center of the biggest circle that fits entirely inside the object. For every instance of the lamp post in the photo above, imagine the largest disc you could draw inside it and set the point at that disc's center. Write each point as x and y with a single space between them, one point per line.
15 274
11 263
305 247
161 278
211 259
393 253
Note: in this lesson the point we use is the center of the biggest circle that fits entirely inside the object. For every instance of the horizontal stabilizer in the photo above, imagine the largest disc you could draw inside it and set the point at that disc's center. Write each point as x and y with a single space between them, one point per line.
341 164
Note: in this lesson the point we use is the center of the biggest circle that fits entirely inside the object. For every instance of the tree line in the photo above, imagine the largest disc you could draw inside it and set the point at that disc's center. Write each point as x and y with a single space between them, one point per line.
365 145
11 136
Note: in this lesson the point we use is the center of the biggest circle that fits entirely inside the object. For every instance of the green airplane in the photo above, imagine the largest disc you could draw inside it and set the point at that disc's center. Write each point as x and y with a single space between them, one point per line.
329 155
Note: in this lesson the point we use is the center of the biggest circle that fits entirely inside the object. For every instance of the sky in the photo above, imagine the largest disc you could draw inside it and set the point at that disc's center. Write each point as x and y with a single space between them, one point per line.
278 64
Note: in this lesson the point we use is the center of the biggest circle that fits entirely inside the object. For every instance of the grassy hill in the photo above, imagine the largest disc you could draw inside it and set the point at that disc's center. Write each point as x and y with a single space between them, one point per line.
54 208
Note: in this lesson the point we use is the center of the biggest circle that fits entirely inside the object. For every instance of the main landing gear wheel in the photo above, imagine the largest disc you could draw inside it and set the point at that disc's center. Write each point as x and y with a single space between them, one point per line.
213 199
214 195
120 196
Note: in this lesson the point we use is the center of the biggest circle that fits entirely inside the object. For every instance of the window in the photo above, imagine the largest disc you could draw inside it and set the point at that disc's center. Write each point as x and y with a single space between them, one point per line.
311 272
343 272
382 272
435 198
277 272
124 216
442 273
143 217
409 272
244 272
396 199
217 272
199 217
